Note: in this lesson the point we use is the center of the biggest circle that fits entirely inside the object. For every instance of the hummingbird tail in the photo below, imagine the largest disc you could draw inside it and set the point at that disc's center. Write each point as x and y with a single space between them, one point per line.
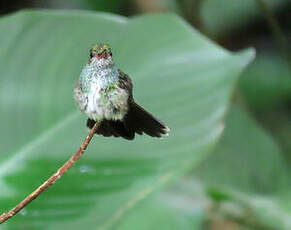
137 120
141 121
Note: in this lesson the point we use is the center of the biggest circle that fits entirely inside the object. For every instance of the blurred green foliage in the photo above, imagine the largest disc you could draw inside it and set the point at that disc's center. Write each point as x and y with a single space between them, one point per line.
267 82
238 178
113 6
223 17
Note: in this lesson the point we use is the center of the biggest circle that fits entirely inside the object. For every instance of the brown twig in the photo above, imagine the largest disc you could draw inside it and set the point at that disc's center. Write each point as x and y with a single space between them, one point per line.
52 179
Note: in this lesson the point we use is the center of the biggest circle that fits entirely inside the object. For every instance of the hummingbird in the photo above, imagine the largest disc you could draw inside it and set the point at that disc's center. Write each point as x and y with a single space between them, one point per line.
104 93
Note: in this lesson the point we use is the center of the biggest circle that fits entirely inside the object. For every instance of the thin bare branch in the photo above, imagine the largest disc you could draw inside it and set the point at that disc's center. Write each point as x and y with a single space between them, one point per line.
52 179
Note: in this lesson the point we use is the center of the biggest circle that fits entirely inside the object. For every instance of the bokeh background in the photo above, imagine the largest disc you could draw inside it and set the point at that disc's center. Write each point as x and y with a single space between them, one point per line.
244 181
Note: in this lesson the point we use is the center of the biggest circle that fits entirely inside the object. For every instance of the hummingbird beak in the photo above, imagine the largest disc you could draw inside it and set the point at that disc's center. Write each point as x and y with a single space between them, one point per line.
102 55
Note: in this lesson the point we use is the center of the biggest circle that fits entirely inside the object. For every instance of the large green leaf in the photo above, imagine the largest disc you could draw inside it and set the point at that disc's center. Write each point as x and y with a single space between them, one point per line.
279 123
178 75
181 207
247 175
242 185
246 146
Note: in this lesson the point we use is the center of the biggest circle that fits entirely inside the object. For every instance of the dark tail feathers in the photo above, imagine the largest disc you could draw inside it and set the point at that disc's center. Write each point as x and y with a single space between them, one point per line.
137 120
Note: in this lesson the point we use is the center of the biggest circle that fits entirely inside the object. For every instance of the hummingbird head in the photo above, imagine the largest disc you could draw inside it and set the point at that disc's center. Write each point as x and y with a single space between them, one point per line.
100 51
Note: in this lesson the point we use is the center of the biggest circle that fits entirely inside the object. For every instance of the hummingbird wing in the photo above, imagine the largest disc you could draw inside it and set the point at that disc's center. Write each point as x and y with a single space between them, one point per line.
137 120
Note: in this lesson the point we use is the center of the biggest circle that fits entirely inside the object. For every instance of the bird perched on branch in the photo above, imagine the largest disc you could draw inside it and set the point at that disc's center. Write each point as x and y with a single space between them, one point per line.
104 93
